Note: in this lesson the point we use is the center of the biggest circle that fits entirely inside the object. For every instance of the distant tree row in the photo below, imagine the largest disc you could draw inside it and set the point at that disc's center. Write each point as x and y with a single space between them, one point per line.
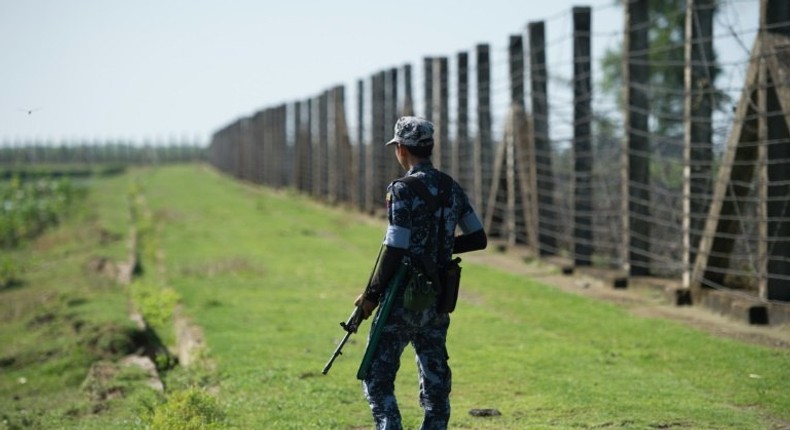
112 153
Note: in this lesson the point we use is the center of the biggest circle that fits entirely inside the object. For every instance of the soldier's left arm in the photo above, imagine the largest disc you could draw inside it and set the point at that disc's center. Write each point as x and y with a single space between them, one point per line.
473 237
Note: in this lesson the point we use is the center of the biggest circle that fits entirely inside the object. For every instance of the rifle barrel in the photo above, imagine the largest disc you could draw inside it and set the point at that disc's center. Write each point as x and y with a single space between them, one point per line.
337 353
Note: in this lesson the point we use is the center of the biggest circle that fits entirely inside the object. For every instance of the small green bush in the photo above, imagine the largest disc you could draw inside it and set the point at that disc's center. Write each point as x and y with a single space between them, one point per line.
189 409
9 271
156 304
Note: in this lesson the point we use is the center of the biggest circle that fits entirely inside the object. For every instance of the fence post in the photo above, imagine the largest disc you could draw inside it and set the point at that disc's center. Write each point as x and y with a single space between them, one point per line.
243 149
761 167
370 153
343 166
247 147
315 145
296 126
441 145
427 78
284 168
332 147
731 189
516 64
218 149
301 147
516 67
775 20
483 147
636 144
309 147
392 99
258 154
698 144
223 151
378 138
774 16
390 117
362 167
272 145
323 145
522 166
257 138
277 147
547 218
408 100
236 139
269 146
582 138
230 150
282 146
461 156
514 168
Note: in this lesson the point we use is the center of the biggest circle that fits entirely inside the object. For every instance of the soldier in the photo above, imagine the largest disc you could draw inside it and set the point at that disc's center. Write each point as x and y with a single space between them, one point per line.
414 236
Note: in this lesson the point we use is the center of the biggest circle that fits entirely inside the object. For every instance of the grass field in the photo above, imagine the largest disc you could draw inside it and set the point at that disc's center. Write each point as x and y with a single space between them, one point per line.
269 275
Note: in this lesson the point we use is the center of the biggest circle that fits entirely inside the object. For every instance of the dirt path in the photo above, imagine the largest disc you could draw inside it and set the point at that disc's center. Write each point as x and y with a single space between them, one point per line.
640 298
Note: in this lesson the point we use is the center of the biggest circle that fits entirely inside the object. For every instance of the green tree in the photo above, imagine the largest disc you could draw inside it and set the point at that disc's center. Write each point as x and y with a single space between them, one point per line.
666 57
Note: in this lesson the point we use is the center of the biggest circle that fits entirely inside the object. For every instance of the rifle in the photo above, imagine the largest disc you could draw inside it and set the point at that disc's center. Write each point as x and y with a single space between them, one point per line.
355 320
350 326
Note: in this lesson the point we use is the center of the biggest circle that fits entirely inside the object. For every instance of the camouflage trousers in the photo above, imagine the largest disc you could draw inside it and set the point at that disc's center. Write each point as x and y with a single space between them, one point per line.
427 332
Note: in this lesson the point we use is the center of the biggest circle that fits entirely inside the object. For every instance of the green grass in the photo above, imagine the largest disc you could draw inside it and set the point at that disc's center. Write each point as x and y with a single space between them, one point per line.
269 275
61 318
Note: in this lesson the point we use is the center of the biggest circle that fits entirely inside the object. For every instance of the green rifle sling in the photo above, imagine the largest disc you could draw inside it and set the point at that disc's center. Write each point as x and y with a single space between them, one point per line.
381 319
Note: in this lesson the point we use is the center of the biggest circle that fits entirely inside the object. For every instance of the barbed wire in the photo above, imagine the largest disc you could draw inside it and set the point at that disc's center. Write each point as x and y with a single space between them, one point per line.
354 129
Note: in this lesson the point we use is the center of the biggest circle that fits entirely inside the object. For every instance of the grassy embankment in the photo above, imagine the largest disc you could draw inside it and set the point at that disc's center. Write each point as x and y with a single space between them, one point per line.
269 275
60 314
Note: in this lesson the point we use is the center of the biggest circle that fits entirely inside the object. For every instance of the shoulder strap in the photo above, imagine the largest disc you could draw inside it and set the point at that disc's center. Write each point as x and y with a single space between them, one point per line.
418 187
445 194
445 190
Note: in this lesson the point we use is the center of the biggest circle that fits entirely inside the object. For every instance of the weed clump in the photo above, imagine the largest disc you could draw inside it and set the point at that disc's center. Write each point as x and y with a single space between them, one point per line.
9 272
188 409
155 303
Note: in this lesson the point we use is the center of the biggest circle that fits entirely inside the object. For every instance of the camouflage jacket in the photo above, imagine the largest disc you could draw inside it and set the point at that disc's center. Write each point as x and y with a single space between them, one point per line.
413 228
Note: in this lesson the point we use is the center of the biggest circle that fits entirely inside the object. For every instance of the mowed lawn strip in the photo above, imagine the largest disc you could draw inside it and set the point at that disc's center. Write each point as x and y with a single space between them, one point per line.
269 275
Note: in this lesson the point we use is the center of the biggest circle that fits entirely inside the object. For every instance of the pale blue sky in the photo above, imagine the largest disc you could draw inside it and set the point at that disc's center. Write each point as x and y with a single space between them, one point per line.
97 69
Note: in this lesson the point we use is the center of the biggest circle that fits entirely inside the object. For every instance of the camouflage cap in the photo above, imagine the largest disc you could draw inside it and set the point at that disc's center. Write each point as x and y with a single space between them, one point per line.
413 131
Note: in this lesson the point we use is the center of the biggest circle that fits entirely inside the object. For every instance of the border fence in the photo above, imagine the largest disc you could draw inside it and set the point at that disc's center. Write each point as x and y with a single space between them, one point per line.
685 177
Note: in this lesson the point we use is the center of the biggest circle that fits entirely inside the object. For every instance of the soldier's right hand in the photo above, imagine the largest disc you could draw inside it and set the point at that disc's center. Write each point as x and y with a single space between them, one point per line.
367 306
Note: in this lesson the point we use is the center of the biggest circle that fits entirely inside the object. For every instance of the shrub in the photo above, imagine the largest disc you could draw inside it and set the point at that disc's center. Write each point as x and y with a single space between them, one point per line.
9 271
155 303
189 409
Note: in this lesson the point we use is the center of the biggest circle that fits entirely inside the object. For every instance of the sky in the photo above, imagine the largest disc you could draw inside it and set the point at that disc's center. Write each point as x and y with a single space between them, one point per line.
150 70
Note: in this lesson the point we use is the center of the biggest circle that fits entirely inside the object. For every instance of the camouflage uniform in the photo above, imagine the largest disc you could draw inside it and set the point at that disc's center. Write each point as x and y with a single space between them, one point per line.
412 227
